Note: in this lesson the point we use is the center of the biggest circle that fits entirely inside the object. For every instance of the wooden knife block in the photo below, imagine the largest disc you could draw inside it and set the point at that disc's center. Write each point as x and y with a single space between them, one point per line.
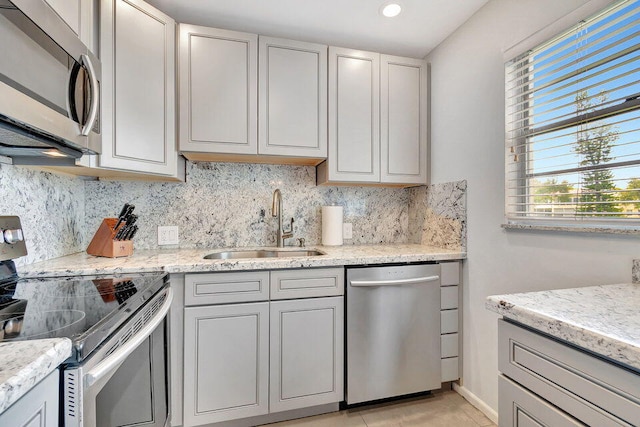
103 244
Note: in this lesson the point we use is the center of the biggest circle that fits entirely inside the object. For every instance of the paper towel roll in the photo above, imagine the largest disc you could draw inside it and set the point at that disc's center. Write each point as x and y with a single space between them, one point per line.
332 225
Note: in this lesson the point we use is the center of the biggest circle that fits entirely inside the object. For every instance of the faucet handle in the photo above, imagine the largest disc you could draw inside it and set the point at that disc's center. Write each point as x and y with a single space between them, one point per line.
290 228
301 242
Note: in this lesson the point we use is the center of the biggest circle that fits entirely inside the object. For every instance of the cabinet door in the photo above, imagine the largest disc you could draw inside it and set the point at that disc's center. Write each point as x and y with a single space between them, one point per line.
226 362
138 88
403 120
354 114
307 353
293 98
218 90
39 407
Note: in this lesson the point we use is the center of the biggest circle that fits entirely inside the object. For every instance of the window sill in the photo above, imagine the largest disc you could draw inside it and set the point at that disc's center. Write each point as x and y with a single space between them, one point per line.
573 229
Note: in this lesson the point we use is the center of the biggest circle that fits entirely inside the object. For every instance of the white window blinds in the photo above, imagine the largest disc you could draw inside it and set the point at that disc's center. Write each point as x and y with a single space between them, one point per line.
573 123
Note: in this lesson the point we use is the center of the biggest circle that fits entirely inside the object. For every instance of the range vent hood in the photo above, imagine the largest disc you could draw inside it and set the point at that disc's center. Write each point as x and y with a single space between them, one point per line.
29 146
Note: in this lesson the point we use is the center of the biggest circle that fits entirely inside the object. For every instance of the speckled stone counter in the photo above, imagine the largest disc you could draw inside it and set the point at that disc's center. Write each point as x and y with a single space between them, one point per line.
602 319
23 364
191 260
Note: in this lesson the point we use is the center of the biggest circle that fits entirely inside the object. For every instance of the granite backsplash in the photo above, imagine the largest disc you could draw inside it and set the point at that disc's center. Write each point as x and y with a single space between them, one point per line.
229 205
51 208
226 205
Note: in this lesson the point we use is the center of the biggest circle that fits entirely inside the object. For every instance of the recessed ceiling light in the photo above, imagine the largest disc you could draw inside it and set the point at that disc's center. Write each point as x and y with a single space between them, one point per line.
391 9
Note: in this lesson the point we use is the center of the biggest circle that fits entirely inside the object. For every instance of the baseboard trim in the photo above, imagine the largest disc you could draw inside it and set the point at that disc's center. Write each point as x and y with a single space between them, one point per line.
477 402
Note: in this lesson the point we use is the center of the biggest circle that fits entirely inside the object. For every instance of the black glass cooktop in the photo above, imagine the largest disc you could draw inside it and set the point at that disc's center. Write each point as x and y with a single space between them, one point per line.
85 309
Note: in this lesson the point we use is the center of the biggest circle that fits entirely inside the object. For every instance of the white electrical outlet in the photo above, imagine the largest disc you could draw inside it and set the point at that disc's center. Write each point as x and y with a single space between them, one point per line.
347 230
168 235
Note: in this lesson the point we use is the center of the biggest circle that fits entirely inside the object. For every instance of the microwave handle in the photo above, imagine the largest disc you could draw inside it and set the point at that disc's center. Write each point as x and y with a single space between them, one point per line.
95 96
116 358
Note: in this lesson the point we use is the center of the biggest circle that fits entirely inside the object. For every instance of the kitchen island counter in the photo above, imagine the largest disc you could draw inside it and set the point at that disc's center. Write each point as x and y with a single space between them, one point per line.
192 260
23 364
603 319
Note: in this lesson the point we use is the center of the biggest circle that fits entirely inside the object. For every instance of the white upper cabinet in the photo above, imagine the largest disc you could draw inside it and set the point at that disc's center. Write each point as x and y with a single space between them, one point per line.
403 120
138 89
218 80
293 98
377 120
354 112
79 16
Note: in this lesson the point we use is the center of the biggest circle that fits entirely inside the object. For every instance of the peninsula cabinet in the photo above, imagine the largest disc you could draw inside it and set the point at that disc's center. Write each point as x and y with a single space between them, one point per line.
39 407
377 120
545 382
220 80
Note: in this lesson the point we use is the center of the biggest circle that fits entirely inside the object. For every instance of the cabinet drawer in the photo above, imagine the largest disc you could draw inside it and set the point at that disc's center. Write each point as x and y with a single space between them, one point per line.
448 321
449 345
222 288
449 369
448 297
307 283
449 273
520 408
592 390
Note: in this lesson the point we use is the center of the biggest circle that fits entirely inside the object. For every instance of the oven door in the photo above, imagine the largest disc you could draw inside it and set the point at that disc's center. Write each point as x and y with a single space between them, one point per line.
126 382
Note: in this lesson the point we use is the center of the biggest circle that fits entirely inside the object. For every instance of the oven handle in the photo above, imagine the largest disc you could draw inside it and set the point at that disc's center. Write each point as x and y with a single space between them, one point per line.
119 356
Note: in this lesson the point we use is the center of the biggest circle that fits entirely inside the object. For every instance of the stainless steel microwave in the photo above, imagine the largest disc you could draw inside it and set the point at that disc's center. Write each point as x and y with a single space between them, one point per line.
49 87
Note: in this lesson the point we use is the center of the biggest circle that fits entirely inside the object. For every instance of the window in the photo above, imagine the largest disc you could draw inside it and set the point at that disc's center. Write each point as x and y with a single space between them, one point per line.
573 124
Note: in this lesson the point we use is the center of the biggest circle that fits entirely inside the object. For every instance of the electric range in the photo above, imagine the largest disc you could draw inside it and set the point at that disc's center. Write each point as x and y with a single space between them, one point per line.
118 372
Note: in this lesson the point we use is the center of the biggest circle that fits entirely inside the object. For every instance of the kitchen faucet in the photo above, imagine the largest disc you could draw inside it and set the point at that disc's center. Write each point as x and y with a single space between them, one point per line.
276 211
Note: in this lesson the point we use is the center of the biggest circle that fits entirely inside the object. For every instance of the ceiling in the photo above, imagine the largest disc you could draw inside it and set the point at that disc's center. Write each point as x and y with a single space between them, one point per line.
358 24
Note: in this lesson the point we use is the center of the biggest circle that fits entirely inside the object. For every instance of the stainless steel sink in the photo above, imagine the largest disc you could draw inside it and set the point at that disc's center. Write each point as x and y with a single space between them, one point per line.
263 253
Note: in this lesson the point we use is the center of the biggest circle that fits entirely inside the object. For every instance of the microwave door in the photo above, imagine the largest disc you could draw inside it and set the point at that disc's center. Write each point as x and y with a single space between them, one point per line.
49 81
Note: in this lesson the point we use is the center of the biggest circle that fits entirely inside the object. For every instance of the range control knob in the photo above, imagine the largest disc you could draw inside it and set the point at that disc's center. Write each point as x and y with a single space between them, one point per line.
13 236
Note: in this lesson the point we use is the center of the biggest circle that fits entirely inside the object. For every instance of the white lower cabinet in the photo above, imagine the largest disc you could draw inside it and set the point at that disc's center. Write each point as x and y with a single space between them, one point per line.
38 408
226 362
545 382
245 359
450 320
307 340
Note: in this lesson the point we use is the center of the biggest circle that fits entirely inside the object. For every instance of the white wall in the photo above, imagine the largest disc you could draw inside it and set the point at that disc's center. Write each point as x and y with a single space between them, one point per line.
467 138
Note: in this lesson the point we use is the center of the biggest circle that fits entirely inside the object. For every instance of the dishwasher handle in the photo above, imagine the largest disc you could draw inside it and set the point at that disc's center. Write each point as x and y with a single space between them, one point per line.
398 282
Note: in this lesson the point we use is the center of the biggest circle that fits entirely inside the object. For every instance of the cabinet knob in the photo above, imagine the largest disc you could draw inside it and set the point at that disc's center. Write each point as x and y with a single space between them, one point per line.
13 236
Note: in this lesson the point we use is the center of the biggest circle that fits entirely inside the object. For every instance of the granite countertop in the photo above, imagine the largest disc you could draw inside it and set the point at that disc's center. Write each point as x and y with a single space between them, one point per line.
23 364
191 260
602 319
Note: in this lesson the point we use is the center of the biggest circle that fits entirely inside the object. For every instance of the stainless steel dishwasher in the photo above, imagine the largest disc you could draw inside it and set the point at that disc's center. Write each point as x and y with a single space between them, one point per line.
393 331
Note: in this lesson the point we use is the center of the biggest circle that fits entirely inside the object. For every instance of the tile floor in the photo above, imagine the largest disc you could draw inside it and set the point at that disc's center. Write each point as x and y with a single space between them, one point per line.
441 409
